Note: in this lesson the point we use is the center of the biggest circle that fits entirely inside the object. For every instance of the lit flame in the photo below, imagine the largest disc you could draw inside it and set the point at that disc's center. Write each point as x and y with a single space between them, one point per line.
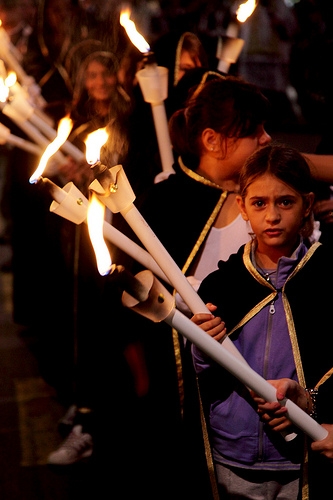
93 143
135 37
64 128
245 10
95 220
11 79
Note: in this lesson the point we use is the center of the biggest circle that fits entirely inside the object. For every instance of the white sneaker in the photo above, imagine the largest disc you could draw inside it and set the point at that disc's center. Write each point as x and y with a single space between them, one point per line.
77 446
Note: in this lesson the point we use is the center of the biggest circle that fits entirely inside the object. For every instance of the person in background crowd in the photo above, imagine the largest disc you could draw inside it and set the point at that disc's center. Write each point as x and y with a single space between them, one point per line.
179 52
282 273
99 101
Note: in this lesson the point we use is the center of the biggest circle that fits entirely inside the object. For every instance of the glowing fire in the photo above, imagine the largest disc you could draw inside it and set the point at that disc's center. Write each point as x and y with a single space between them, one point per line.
96 209
130 28
95 220
11 79
245 10
93 143
64 128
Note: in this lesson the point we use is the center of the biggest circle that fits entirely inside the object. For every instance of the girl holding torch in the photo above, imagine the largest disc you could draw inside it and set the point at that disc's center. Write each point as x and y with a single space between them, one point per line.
263 294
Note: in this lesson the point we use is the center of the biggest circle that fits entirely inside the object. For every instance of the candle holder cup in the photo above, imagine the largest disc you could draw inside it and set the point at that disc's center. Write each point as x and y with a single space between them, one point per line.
153 81
73 207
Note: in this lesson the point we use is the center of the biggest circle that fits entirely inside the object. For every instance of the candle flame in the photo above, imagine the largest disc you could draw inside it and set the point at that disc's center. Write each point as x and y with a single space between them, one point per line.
132 33
11 79
93 143
95 220
245 10
64 128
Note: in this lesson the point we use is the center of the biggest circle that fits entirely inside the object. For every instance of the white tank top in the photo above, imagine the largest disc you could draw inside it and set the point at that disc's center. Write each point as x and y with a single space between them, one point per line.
220 244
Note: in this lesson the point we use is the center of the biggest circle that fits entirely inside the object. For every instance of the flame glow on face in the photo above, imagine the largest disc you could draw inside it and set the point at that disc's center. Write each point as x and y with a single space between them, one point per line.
94 142
136 38
95 219
64 129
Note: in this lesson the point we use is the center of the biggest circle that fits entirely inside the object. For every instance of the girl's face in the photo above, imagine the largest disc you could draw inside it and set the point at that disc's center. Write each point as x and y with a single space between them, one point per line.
99 81
276 213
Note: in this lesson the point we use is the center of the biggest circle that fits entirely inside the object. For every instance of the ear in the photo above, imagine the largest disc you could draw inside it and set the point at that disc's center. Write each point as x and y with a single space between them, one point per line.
309 201
209 139
241 206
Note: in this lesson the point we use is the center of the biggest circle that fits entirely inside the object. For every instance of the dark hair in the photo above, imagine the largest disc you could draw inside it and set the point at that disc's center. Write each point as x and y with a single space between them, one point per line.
228 105
87 118
284 163
107 59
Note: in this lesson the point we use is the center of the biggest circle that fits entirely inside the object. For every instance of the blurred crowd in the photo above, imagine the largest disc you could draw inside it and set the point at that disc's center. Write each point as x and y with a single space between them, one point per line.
85 67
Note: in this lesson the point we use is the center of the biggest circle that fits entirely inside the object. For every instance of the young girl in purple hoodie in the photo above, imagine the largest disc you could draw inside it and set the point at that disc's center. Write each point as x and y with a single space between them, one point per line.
270 299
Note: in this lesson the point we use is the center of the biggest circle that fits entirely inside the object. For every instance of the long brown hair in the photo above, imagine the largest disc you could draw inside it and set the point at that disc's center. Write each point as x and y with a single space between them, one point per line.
228 105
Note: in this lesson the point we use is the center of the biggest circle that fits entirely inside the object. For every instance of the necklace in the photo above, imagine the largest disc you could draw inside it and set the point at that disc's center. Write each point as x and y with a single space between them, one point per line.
268 275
